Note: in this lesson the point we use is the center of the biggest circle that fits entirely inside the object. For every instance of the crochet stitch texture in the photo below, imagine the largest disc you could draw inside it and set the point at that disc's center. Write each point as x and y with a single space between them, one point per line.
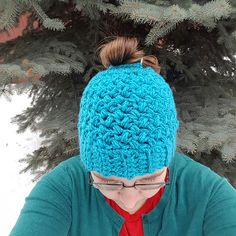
127 122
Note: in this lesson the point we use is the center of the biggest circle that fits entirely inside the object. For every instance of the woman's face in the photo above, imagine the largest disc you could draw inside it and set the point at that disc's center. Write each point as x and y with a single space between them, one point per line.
131 199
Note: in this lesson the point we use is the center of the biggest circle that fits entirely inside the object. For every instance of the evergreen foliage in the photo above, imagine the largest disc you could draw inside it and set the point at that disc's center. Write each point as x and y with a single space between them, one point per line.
194 40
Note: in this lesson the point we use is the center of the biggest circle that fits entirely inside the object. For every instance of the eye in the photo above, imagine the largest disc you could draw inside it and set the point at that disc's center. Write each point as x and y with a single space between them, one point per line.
108 181
147 180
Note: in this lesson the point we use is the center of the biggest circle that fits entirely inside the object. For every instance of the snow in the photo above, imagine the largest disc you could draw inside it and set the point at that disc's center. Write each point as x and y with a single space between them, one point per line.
14 186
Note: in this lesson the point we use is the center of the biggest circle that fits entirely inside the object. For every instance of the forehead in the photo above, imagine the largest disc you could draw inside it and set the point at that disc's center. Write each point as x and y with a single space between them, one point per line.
155 174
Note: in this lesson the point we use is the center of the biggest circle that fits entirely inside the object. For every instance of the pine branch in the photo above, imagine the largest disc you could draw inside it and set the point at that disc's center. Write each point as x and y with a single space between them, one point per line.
207 125
93 8
9 72
228 40
9 17
53 113
53 24
158 31
209 14
165 19
59 65
39 59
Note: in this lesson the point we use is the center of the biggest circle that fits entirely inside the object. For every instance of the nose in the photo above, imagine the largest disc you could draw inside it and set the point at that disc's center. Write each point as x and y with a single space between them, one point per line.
129 197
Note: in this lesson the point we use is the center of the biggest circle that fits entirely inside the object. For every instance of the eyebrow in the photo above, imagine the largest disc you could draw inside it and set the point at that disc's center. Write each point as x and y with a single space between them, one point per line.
145 178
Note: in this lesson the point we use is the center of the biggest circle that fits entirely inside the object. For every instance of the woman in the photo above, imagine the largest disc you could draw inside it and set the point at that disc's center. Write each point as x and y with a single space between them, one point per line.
128 179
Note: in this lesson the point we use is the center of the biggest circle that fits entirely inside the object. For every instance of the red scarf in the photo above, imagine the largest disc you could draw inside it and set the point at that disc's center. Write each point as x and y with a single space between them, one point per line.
133 222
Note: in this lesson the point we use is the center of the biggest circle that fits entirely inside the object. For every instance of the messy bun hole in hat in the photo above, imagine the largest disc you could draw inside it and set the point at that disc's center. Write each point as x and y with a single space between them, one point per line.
118 50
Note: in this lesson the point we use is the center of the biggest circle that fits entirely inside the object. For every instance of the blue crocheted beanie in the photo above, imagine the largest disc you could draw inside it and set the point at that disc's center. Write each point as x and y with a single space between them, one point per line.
127 122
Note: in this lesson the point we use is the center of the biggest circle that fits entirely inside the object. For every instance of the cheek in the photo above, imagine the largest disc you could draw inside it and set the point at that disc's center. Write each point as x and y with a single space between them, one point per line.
111 195
142 195
149 193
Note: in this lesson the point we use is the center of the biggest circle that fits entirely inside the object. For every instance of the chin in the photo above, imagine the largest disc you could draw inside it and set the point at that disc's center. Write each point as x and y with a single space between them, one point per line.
132 210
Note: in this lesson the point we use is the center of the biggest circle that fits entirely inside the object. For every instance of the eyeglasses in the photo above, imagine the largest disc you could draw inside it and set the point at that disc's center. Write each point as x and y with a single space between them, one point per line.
118 186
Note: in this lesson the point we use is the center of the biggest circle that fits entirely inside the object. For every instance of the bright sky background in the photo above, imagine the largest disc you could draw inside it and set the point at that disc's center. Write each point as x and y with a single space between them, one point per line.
14 187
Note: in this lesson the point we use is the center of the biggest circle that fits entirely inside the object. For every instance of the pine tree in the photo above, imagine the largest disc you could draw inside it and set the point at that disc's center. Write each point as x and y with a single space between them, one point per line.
194 40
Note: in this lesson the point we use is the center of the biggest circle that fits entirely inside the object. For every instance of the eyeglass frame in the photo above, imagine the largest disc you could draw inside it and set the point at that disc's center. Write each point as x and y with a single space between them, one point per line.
122 185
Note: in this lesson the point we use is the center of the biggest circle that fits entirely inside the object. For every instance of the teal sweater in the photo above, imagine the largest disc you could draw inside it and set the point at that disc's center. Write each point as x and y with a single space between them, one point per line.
197 202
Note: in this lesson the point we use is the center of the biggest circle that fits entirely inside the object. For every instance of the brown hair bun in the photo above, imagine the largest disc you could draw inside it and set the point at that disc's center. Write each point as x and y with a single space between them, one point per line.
125 50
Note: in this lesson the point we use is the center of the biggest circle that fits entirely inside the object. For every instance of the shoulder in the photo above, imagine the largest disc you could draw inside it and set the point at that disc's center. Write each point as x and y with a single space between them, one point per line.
184 164
74 163
194 175
67 174
210 196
